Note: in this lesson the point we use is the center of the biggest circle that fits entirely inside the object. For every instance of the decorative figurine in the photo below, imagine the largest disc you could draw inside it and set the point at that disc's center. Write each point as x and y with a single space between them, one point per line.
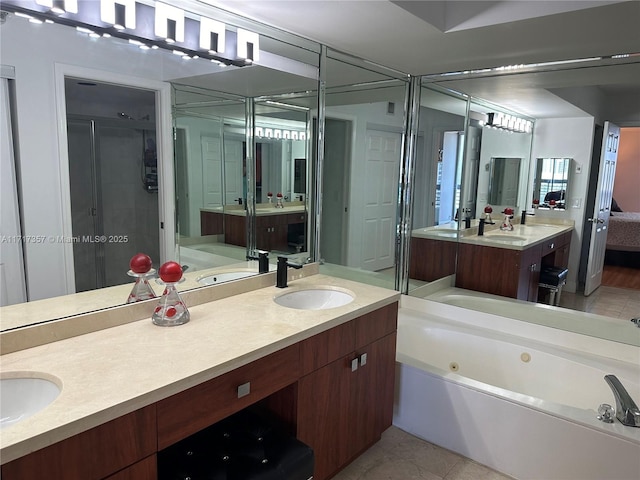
140 265
506 222
270 197
488 210
279 197
171 310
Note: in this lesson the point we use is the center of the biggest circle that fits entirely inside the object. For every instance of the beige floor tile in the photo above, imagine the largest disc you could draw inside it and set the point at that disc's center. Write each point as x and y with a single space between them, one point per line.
470 470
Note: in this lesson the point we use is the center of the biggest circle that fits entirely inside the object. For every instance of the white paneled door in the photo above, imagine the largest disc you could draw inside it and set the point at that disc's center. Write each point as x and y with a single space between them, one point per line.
602 207
211 171
383 150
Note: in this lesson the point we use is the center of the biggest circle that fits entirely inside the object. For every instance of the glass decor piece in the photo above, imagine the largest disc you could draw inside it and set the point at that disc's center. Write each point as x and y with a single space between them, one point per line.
140 269
141 288
171 310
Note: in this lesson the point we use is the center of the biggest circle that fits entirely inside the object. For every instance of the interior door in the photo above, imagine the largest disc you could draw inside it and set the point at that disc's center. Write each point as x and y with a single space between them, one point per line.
601 210
381 180
211 170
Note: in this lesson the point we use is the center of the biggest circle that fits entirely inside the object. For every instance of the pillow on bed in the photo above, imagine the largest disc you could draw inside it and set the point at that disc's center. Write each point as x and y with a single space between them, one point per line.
614 206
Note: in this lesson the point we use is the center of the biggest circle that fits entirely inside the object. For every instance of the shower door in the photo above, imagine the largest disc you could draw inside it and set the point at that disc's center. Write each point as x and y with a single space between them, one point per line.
114 198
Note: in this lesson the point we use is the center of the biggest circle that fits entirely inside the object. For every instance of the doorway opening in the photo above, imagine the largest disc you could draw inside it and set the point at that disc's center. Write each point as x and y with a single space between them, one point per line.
113 178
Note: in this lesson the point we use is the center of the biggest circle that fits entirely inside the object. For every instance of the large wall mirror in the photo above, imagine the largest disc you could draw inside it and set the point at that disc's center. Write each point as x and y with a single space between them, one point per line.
127 102
364 125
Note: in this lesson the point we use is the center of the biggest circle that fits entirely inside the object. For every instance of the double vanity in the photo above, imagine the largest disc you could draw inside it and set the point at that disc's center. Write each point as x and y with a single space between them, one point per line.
126 392
276 228
505 263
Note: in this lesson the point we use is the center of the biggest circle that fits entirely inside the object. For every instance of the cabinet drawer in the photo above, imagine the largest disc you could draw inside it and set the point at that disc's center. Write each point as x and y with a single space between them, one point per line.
293 218
375 325
91 455
146 469
192 410
552 244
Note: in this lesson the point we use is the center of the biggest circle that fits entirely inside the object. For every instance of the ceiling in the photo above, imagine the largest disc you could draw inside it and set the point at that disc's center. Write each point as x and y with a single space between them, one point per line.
432 37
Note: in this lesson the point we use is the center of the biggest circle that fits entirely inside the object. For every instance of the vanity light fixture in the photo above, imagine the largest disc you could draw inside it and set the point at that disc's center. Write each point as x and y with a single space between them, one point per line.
508 122
156 24
169 23
212 35
119 13
248 45
60 7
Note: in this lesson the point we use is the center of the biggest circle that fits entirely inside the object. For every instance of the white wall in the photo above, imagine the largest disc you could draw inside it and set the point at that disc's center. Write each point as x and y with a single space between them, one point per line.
36 51
572 138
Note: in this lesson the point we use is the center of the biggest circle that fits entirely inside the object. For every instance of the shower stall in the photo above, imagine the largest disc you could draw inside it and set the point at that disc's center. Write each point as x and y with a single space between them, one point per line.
114 196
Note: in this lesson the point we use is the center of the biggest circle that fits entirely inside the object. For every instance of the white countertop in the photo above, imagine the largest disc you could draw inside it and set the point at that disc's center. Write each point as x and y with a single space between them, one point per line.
109 373
262 209
520 238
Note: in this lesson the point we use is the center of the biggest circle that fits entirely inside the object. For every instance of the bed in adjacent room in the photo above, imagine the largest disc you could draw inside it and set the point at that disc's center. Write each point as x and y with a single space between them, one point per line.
623 239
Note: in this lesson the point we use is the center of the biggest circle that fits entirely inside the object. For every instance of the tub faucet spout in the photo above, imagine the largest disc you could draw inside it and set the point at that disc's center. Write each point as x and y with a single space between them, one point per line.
626 409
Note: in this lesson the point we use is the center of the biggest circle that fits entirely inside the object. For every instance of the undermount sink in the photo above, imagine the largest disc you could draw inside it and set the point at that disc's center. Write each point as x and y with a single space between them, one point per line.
215 278
505 237
314 299
23 397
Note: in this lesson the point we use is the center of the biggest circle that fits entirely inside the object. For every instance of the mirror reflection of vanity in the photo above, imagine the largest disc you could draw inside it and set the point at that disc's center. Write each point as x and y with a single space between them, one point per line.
551 182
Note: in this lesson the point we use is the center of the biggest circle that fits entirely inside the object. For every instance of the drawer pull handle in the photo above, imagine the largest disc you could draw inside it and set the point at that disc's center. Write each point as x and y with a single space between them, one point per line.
551 245
244 389
363 359
354 364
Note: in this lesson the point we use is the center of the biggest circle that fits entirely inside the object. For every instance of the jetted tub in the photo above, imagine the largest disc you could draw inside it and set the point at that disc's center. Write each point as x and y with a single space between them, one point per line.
523 404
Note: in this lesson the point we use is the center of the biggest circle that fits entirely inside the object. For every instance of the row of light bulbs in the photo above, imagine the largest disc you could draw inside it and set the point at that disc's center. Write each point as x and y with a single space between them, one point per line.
279 134
509 122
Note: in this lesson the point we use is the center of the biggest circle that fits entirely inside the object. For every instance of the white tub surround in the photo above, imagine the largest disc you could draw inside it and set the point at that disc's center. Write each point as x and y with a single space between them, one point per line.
111 372
517 397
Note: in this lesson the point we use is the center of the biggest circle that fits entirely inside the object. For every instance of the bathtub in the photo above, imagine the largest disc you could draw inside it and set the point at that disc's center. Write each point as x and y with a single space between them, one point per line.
579 322
524 405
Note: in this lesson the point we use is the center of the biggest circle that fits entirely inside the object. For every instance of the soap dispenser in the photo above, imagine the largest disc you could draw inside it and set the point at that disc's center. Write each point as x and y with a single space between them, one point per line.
507 226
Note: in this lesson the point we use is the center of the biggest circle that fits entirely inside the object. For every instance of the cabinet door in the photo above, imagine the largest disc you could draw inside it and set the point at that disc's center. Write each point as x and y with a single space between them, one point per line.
324 417
371 404
146 469
530 265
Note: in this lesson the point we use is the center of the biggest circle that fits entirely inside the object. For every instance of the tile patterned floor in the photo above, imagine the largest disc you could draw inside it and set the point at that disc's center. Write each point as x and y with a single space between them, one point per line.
622 303
401 456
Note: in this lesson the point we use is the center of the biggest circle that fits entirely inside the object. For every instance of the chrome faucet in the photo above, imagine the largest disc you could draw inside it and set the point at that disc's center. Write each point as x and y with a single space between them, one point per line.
281 274
626 409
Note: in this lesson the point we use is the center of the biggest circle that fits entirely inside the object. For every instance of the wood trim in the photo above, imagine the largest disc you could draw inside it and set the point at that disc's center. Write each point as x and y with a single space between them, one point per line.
146 469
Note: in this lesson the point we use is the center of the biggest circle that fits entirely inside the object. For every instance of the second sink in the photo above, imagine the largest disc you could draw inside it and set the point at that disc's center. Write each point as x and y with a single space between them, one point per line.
23 397
314 299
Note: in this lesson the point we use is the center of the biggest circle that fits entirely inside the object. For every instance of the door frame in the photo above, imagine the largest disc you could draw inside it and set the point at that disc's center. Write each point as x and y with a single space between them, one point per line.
164 143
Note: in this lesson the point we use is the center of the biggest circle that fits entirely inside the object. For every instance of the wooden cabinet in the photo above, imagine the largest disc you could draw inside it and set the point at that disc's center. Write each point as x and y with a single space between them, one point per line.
432 259
235 230
345 405
272 231
334 391
192 410
507 272
211 223
94 454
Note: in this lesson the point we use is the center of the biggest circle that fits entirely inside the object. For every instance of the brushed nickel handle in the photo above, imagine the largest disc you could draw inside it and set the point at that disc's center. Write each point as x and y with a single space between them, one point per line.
354 364
244 389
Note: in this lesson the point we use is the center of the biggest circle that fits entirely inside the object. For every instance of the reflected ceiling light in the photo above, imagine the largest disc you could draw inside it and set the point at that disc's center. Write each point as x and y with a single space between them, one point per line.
37 21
